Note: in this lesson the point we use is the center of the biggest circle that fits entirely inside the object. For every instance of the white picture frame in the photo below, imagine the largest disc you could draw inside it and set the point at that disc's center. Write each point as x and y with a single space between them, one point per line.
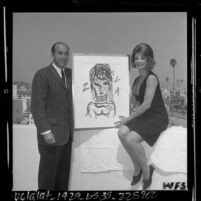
100 90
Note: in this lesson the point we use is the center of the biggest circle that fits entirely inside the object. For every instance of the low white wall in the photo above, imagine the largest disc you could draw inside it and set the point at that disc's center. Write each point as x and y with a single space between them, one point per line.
25 157
26 160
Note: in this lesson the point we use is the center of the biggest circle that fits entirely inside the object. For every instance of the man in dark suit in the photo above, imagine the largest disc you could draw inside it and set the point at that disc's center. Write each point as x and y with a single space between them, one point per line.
51 106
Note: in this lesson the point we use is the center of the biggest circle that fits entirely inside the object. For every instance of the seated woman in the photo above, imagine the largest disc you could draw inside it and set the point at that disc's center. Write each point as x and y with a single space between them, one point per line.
149 118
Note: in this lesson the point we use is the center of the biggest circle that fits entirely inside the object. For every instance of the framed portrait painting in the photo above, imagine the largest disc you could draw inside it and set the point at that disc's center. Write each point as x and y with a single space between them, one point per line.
100 90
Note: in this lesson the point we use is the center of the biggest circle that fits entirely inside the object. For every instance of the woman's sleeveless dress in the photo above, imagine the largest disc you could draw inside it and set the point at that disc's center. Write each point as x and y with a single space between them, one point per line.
153 121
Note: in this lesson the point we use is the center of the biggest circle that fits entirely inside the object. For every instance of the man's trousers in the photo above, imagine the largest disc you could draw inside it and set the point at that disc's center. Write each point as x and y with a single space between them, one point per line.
54 166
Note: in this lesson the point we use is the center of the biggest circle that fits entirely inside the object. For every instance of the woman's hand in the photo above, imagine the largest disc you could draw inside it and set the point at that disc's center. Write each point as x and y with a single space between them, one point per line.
122 121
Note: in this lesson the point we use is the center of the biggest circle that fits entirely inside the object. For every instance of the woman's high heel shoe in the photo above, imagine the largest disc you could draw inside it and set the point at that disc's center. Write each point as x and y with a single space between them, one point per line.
147 183
136 178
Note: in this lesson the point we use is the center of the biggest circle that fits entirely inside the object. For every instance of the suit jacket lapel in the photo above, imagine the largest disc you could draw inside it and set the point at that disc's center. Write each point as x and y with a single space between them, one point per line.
56 75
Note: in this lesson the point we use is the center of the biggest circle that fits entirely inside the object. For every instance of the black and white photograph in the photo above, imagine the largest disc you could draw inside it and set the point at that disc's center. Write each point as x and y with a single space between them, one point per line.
100 101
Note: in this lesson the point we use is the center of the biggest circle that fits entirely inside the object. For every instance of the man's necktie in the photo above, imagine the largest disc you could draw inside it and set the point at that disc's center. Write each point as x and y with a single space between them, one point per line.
63 77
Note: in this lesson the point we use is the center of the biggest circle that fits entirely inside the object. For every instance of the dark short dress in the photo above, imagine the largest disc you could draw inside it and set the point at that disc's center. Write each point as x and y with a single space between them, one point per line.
153 121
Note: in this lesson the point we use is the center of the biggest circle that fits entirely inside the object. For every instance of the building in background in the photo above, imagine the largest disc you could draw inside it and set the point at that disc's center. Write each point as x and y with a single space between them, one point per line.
14 91
22 103
17 111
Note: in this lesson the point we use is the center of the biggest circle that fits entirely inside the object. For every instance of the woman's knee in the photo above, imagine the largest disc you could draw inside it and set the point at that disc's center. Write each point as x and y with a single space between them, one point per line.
133 138
122 132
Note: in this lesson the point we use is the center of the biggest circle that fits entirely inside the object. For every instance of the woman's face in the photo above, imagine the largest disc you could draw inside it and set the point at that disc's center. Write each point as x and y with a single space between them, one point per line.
140 61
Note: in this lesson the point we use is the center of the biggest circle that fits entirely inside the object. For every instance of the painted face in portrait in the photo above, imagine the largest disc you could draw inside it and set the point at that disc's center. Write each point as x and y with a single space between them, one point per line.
102 104
101 88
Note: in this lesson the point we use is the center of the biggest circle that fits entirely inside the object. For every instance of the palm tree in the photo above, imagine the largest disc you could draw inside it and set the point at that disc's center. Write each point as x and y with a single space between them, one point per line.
167 79
173 62
178 81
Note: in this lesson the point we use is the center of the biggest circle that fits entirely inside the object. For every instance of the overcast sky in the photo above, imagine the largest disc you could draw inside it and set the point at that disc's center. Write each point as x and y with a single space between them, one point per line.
99 33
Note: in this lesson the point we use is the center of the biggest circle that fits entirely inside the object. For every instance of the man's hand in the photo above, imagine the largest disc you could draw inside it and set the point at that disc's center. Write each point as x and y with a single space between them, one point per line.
49 138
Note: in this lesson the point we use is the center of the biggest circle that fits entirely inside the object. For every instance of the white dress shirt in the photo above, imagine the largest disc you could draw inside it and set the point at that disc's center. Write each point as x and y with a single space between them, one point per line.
59 71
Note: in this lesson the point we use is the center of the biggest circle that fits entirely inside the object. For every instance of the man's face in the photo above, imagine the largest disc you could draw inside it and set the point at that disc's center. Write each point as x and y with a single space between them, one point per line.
101 88
61 55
